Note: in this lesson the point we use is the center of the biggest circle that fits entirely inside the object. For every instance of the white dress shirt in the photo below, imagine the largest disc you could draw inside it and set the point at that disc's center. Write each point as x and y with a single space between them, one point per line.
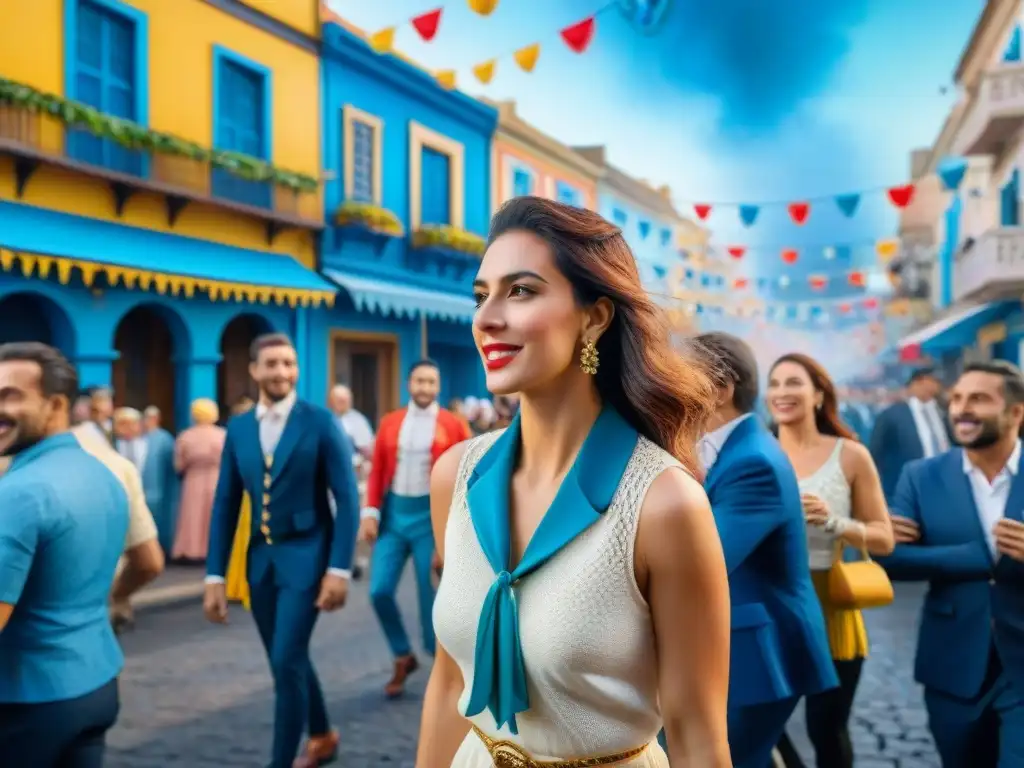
415 441
272 420
135 450
990 498
712 443
358 428
930 429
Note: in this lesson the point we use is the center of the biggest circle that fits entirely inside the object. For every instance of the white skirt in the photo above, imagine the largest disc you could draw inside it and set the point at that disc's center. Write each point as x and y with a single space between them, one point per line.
473 754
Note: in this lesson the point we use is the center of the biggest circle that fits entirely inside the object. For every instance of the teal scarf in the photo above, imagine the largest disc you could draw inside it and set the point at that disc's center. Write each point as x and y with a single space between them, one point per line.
499 674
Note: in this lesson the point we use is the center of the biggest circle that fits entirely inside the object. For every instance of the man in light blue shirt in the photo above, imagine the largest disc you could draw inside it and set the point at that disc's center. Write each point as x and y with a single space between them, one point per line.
63 523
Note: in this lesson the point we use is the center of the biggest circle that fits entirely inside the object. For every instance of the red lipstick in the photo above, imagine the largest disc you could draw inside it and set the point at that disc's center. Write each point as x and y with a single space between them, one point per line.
497 356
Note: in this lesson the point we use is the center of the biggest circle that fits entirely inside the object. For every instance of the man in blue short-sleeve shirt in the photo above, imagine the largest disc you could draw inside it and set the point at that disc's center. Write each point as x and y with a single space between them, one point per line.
63 522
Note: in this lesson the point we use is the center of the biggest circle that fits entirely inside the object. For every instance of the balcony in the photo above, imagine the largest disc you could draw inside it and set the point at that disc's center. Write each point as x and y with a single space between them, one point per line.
996 113
39 134
991 267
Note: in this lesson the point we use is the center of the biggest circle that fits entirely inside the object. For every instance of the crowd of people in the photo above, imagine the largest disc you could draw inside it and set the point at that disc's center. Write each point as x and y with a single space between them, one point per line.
636 556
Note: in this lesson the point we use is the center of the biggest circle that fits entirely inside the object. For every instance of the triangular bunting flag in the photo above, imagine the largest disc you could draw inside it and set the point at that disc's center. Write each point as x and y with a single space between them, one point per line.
848 204
645 229
580 35
485 72
818 282
901 196
789 256
382 41
748 214
527 57
736 251
427 24
446 79
951 171
702 210
886 249
483 7
799 212
739 282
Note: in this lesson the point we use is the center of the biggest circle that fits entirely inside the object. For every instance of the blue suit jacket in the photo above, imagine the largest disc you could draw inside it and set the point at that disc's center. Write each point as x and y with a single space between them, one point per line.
312 457
973 600
894 443
779 645
160 483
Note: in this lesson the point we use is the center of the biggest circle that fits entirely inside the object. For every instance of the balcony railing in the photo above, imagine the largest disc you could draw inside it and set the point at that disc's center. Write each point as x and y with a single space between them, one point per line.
996 113
180 172
991 267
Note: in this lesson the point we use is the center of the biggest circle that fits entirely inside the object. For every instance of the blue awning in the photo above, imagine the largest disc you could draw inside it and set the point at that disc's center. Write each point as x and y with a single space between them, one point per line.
403 300
958 329
49 243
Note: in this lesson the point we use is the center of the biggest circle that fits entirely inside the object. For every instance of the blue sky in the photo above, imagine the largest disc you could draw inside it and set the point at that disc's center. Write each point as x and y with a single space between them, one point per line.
744 101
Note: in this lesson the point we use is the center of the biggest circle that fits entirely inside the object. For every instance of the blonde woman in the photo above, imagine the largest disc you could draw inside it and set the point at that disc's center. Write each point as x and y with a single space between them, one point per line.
197 459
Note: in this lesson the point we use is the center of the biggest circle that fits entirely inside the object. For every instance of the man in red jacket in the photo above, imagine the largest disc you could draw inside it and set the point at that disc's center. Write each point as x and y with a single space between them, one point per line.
397 515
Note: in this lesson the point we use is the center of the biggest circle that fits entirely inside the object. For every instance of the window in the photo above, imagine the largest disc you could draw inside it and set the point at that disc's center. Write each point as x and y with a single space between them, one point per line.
107 70
522 182
1009 201
1012 52
436 178
362 156
568 194
241 123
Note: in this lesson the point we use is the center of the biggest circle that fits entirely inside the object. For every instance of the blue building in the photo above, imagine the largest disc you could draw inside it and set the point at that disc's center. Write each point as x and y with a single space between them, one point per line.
407 206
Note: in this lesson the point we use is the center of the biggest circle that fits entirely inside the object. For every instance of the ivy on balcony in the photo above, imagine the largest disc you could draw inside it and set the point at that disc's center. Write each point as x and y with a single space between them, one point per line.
447 238
133 136
373 218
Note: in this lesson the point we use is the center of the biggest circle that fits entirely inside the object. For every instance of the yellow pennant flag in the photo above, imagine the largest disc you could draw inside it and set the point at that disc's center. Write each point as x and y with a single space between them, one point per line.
886 249
485 72
446 78
383 41
527 57
483 7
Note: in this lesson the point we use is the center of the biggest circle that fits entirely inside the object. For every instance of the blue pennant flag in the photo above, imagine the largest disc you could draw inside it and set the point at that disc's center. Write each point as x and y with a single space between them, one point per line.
645 229
848 203
660 271
748 214
951 171
666 236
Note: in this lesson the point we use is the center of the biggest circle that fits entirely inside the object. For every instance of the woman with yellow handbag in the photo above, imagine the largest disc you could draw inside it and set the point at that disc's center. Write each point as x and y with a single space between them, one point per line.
844 506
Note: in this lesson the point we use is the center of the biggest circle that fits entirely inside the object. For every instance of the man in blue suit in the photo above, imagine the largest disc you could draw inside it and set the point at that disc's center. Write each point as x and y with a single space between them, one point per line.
288 455
959 523
910 429
779 647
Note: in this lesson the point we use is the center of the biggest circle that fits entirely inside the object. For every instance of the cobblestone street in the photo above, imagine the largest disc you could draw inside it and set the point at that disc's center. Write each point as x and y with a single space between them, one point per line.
199 696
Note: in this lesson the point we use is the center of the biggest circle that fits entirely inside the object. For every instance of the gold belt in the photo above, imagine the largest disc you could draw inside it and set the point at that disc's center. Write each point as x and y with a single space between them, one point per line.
505 754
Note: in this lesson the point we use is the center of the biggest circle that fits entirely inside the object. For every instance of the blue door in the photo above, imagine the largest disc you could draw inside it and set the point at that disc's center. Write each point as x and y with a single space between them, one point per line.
105 79
241 127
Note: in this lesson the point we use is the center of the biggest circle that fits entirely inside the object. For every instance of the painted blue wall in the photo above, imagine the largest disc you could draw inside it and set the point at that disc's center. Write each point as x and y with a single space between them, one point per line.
451 346
84 322
651 251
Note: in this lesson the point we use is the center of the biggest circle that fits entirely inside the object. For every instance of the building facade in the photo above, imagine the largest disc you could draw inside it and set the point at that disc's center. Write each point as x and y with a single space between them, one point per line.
526 161
979 240
159 189
407 206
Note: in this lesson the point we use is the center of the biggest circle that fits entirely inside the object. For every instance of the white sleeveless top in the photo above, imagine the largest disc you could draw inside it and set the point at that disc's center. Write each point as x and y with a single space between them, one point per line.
829 484
586 631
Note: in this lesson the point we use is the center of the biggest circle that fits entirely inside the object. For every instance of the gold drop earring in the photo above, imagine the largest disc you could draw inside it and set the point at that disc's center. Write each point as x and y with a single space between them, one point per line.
588 358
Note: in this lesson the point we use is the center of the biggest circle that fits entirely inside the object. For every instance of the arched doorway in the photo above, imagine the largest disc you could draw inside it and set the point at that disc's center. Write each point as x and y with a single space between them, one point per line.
233 380
34 317
148 340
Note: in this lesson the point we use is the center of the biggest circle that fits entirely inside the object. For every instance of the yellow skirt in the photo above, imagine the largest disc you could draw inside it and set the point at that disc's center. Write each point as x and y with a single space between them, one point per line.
847 635
237 585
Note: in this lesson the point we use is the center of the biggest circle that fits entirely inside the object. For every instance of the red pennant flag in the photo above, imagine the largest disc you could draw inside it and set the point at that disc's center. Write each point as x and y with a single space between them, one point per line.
845 308
817 282
739 282
856 279
789 256
579 36
870 303
901 196
736 251
427 24
799 212
702 210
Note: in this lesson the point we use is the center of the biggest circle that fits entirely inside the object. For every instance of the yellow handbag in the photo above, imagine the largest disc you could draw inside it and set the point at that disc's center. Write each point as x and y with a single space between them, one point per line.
860 584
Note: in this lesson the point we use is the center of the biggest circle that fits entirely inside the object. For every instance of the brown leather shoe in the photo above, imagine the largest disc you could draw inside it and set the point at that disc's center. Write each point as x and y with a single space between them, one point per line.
404 666
320 750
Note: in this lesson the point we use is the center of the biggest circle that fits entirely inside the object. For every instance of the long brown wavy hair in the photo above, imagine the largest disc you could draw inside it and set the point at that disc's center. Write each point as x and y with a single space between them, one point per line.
826 418
666 396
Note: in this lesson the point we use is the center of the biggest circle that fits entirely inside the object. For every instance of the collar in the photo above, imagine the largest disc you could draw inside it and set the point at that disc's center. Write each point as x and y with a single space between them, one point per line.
1012 463
282 407
430 410
47 444
717 438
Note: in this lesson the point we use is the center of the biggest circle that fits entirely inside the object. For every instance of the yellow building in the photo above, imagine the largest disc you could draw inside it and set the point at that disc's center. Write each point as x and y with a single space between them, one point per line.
159 187
527 161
